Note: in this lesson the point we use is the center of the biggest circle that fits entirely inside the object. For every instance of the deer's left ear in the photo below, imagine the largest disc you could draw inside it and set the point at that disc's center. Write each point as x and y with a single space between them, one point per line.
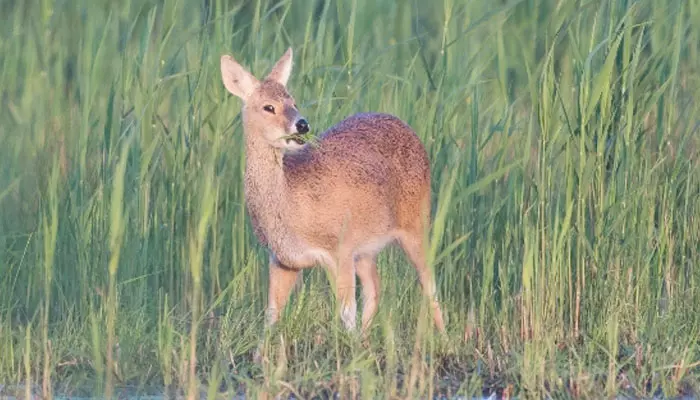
282 69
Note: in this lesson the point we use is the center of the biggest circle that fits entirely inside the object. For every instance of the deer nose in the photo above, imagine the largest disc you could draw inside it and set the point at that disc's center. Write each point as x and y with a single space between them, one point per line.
302 126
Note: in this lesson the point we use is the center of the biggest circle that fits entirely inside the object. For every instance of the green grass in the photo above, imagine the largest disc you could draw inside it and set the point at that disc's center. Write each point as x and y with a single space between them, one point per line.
564 143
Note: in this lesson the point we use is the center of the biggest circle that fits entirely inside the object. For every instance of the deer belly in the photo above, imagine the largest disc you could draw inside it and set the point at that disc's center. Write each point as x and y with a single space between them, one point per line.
300 256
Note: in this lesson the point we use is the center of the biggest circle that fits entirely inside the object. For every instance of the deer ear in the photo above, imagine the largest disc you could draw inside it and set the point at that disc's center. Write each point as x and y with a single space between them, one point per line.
236 79
281 71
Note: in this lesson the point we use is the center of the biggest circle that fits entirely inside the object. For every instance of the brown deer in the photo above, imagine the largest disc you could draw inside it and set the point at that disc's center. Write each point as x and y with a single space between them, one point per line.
364 184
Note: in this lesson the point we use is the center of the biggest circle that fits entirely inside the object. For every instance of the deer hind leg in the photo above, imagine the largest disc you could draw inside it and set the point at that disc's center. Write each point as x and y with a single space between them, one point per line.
366 269
413 245
342 275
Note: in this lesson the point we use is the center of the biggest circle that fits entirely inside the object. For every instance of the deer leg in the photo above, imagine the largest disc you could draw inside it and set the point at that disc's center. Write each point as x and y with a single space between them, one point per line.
281 282
343 276
414 247
366 269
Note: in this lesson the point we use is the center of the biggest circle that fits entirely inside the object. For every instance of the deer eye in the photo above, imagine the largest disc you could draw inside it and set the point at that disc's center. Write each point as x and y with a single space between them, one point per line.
269 109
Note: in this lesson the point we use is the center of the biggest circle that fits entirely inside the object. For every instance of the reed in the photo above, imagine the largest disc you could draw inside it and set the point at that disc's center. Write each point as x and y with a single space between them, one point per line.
564 148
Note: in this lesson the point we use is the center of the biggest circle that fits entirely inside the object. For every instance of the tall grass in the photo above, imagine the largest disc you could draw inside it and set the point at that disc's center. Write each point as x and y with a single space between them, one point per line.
563 137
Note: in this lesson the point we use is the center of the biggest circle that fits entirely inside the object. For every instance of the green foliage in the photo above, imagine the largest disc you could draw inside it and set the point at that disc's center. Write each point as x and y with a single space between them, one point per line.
566 196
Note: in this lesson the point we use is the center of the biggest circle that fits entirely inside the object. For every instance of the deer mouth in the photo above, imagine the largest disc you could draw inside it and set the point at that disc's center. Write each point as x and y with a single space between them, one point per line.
298 139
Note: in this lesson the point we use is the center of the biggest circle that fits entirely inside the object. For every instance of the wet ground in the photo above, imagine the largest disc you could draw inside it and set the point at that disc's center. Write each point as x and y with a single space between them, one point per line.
17 392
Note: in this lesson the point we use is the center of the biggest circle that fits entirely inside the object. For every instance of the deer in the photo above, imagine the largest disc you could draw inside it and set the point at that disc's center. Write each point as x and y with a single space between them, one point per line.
336 201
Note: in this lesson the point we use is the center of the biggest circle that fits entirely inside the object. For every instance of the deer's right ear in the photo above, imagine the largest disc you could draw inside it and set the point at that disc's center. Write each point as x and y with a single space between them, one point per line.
236 79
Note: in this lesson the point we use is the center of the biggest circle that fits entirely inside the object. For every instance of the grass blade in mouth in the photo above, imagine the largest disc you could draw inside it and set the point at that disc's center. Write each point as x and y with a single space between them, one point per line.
300 138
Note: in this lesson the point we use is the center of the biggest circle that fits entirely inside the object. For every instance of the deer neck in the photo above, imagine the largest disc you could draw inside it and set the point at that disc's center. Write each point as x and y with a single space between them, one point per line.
265 187
264 168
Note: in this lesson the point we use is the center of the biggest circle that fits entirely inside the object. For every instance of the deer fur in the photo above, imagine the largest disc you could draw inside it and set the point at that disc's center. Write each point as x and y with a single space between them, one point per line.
338 202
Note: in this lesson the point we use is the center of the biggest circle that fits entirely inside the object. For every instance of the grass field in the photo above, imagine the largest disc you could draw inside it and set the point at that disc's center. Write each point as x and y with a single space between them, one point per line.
565 154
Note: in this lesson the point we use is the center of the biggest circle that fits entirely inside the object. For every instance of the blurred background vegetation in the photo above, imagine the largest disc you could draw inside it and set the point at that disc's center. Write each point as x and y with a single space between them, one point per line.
563 137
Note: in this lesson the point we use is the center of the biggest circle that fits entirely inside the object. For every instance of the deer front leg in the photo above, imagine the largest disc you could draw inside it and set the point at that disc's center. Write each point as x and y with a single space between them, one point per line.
281 283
